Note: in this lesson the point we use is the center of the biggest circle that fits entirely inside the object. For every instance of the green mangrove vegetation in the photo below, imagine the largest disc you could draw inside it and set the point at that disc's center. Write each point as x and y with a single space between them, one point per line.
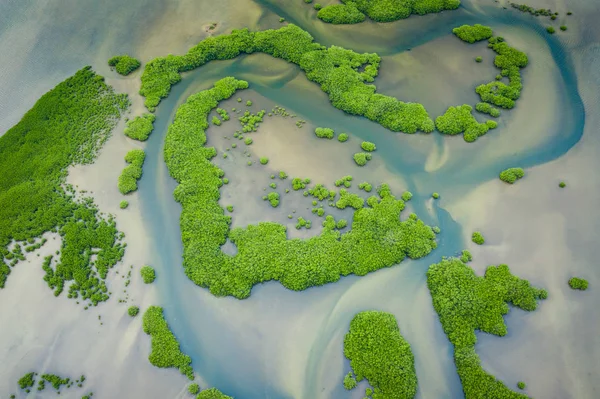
377 239
66 126
465 303
124 64
140 127
132 172
466 256
324 133
511 175
165 352
361 158
477 238
473 33
28 381
577 283
355 11
368 146
343 137
212 393
460 119
148 274
435 195
486 108
562 184
343 74
521 385
378 353
194 388
133 311
123 204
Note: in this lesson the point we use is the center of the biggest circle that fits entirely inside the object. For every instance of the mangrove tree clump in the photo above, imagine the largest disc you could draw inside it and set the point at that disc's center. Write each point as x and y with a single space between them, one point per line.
212 393
511 175
165 352
382 10
465 303
343 137
486 108
140 127
365 186
577 283
194 388
435 195
473 33
133 311
132 172
264 160
550 30
477 238
378 353
341 14
148 274
324 133
368 146
349 199
26 381
124 64
521 385
466 256
66 126
273 199
377 239
349 381
123 204
361 158
460 119
562 184
343 74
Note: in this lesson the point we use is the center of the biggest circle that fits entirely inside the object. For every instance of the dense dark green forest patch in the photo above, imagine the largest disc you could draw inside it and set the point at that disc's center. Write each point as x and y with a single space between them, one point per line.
465 303
165 351
355 11
378 353
377 239
66 126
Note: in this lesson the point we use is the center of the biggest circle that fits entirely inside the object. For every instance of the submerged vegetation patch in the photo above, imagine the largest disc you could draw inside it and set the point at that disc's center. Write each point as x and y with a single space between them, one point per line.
378 353
66 126
377 239
165 351
355 11
465 303
124 64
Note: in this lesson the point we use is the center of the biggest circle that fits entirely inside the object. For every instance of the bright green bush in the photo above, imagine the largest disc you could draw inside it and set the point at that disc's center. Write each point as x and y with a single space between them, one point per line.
26 381
194 389
148 274
212 393
349 381
478 59
341 14
248 103
248 141
349 199
340 224
216 121
361 158
563 28
486 108
378 352
521 385
460 119
435 195
477 238
473 33
165 352
466 256
406 196
140 127
317 6
283 175
123 204
550 30
466 303
577 283
133 311
296 263
324 133
132 172
264 160
365 186
343 137
124 64
562 184
511 175
66 126
343 74
368 146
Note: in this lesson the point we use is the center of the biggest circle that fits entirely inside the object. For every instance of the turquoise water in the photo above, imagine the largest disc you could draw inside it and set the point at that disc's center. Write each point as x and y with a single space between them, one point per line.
283 344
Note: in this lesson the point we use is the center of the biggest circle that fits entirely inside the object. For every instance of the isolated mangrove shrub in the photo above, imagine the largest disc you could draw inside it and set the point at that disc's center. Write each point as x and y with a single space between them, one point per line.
148 274
341 14
123 204
466 256
477 238
140 127
511 175
132 172
124 64
273 199
324 133
577 283
264 160
212 393
473 33
66 126
264 251
26 381
478 59
378 353
406 196
133 311
349 381
343 137
486 108
521 385
465 303
194 388
216 121
165 352
365 186
435 195
368 146
460 119
361 158
343 74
